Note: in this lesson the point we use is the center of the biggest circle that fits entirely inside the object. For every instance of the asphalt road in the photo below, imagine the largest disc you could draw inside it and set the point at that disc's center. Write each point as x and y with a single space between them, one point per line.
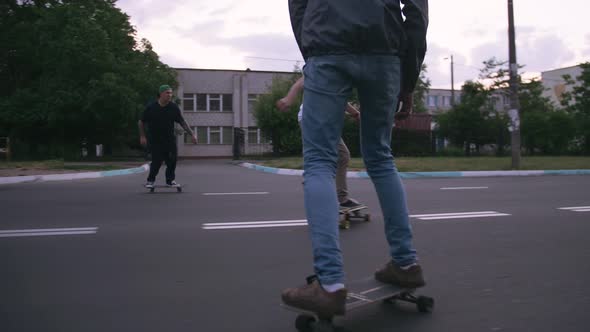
105 255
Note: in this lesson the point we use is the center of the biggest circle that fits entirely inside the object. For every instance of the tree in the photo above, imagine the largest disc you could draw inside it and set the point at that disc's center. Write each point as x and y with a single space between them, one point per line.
71 71
577 103
467 122
421 90
281 127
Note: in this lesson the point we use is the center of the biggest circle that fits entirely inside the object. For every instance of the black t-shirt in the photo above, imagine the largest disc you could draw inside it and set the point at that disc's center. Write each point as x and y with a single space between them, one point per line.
160 122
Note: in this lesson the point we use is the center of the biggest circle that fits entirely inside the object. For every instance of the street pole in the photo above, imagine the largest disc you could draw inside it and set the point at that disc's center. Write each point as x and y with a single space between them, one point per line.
514 103
452 81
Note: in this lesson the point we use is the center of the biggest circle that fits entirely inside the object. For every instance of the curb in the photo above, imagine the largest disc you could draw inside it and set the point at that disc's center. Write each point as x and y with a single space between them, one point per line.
73 176
415 175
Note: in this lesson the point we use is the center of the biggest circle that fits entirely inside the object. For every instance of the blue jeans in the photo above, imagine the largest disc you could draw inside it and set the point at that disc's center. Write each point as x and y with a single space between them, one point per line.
329 81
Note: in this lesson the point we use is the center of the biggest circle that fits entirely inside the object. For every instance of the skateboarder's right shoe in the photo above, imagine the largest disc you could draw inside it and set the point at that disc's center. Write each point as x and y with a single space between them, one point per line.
406 278
312 297
350 204
149 184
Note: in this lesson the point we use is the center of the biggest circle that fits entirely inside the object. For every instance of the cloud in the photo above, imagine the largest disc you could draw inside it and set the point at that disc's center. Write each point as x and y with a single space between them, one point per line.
586 51
536 50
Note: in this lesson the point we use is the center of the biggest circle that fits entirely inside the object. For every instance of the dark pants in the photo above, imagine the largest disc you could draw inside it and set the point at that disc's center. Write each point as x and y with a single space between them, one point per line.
163 153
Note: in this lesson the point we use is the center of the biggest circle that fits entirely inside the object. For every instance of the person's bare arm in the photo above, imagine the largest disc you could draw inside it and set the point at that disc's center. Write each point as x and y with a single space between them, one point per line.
353 111
142 139
284 103
188 130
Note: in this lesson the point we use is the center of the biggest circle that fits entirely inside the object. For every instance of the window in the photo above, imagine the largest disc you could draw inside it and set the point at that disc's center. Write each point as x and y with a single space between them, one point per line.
432 101
201 102
447 100
256 136
202 135
253 135
211 135
252 99
188 102
228 103
214 103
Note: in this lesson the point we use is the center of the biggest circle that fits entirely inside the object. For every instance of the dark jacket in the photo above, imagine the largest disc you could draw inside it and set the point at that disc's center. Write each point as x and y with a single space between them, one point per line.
324 27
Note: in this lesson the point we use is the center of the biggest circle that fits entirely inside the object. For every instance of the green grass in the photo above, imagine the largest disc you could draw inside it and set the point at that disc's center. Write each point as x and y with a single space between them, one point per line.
434 164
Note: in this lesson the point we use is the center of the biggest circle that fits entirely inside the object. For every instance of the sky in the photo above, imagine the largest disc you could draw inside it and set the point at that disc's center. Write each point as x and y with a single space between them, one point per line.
256 34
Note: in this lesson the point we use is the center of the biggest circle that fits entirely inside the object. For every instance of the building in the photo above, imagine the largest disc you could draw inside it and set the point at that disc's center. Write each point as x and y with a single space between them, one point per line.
439 100
217 102
555 85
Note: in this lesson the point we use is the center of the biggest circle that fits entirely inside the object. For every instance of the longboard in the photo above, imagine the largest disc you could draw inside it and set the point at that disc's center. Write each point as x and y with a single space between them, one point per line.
356 213
178 188
360 293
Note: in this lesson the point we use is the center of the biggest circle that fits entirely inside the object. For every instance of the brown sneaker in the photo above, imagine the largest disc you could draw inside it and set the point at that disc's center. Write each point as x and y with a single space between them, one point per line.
312 297
392 274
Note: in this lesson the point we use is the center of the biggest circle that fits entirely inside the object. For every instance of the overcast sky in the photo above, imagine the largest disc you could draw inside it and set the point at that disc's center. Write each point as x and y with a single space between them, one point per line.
231 34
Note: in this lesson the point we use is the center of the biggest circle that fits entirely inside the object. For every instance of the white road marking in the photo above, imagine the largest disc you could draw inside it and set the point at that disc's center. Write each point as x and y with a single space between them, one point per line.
462 188
576 208
255 224
48 232
459 215
244 193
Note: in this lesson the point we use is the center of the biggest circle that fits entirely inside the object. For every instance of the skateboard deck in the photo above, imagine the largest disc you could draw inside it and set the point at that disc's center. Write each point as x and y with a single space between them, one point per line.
360 293
163 186
356 213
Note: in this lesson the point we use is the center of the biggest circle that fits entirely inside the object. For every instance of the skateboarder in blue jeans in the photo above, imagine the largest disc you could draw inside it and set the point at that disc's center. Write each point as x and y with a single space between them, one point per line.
344 199
368 45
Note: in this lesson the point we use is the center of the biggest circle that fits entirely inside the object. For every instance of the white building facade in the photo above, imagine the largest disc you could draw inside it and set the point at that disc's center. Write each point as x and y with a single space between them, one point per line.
215 102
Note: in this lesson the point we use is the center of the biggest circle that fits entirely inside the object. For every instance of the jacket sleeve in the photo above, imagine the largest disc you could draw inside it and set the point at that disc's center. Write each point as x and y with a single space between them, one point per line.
296 11
415 26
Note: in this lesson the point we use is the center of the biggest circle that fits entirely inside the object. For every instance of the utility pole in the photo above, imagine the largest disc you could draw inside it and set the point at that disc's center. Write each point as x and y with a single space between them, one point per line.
514 103
452 80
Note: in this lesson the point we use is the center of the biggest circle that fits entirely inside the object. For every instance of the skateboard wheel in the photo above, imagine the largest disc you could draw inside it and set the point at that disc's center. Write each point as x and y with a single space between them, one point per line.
152 190
179 189
304 323
425 304
345 224
367 217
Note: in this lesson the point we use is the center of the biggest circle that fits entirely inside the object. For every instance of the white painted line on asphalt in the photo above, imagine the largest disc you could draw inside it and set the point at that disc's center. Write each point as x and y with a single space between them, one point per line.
469 216
462 188
256 226
459 215
576 208
48 232
256 222
449 214
244 193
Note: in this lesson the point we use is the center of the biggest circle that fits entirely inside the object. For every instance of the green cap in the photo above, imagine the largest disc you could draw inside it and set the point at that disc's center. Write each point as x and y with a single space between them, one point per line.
165 87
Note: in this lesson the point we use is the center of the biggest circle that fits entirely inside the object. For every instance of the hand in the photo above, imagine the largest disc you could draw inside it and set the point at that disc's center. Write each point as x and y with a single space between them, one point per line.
407 106
356 116
283 104
142 141
194 139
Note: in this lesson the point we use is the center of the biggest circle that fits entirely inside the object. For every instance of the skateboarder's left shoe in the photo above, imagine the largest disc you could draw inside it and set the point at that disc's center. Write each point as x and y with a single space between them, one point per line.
312 297
173 184
149 184
407 278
